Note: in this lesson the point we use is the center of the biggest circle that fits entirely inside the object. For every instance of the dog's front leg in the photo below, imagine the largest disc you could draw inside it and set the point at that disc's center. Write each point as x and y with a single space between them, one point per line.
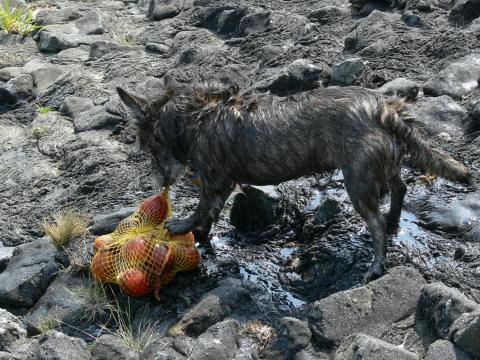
213 195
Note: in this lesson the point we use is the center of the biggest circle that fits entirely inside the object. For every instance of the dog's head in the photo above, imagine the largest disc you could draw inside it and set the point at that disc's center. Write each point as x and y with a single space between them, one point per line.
158 134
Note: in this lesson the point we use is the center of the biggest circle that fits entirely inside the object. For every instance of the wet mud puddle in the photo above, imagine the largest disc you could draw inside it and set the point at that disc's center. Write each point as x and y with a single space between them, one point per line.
263 264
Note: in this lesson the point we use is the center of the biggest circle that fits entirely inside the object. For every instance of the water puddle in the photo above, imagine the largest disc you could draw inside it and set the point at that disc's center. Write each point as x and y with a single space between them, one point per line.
409 234
263 265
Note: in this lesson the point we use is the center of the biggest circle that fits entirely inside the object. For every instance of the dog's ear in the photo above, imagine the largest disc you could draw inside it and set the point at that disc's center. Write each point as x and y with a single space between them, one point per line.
135 105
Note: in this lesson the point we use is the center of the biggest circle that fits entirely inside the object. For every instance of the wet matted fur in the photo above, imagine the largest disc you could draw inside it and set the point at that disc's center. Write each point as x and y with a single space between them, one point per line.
233 139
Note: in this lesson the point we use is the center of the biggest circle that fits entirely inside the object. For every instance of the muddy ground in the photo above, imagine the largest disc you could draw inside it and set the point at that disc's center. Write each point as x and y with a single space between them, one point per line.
314 244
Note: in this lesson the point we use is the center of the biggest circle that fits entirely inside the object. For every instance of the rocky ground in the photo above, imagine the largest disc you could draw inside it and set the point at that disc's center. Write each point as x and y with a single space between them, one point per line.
285 281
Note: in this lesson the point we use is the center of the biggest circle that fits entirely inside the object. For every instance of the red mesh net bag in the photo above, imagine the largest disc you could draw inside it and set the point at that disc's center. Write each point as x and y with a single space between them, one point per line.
141 255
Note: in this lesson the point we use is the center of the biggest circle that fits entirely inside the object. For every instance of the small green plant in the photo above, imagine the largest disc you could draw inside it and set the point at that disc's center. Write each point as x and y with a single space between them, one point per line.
65 226
50 323
16 19
136 335
39 133
44 109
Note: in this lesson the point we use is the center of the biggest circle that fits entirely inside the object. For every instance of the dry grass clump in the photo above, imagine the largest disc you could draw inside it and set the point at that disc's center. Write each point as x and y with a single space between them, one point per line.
65 226
16 19
263 333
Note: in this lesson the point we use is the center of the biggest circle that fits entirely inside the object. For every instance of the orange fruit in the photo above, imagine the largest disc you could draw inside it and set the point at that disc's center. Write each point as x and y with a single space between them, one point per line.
187 257
135 282
100 242
187 238
136 249
127 224
103 267
154 209
160 255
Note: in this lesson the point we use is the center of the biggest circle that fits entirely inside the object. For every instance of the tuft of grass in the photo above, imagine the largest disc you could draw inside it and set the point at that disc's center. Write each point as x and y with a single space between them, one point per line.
139 335
97 302
125 39
49 324
16 19
44 109
66 226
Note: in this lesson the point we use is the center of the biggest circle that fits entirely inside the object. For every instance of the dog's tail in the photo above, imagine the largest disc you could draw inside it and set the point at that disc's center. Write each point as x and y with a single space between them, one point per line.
425 157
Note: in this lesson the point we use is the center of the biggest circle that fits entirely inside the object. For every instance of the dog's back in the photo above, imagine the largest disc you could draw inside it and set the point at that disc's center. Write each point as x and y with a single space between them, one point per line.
286 138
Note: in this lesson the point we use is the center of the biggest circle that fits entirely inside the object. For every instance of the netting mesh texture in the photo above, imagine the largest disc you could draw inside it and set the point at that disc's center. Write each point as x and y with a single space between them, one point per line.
141 255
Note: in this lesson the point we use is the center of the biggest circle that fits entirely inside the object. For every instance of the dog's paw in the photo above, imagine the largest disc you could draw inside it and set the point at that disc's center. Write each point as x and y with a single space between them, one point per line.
376 270
178 226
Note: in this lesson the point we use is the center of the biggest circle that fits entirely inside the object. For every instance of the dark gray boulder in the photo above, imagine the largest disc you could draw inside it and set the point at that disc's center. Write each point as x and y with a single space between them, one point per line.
50 42
43 77
348 72
165 9
23 349
54 345
370 309
161 350
474 26
441 115
414 20
28 273
457 79
78 54
214 307
373 33
328 14
157 48
300 75
106 223
464 12
108 347
90 23
73 105
95 118
253 210
11 329
465 332
219 342
16 89
440 306
56 16
100 48
254 23
228 20
445 350
297 332
65 302
401 87
6 253
10 72
362 346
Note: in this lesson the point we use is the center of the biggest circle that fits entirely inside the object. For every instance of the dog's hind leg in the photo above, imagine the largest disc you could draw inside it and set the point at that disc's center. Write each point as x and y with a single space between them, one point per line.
398 189
364 191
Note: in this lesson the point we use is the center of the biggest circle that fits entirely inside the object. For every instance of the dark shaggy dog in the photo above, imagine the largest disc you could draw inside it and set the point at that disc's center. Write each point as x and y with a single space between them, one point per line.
230 139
